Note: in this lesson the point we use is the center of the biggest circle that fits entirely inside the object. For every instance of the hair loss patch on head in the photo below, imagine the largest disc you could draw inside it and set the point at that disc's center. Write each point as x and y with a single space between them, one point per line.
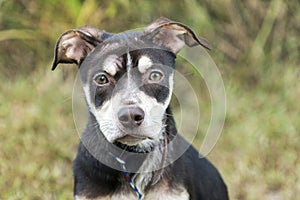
144 63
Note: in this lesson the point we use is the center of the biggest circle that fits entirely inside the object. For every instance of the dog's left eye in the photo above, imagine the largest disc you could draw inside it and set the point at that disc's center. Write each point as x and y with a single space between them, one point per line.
101 79
155 76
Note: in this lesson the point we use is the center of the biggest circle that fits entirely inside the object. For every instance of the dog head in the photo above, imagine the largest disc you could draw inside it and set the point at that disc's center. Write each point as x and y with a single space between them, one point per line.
127 77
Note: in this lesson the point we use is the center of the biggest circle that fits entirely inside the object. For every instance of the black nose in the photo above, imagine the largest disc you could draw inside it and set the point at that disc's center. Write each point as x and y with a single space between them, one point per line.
131 116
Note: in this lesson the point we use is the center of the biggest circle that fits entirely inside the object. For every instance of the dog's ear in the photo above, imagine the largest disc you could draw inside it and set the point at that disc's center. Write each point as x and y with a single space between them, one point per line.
74 45
173 35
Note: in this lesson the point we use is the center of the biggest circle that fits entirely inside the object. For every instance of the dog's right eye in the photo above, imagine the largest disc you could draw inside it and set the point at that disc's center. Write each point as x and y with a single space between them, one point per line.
101 79
155 76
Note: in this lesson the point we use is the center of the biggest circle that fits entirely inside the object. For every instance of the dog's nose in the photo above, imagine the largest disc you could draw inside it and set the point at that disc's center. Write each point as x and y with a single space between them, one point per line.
131 116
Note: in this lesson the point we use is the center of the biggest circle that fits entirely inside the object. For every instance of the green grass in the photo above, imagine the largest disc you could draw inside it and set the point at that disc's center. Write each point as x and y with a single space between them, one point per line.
256 46
257 154
38 138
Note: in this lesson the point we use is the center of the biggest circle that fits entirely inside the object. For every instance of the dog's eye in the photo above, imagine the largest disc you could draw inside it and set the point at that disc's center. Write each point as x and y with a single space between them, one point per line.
155 76
101 79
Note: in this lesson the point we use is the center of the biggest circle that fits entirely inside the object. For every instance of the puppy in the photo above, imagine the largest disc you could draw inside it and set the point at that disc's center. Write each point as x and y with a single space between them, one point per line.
130 148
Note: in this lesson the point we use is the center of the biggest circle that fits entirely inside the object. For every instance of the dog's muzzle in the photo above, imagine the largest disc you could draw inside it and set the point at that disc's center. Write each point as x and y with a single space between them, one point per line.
130 118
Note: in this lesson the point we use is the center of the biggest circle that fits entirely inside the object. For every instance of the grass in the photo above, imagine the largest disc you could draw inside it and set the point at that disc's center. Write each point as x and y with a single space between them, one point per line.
259 149
258 152
38 138
256 46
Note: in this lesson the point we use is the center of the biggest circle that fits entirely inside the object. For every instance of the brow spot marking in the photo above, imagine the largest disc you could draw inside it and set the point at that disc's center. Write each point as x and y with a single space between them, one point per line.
144 63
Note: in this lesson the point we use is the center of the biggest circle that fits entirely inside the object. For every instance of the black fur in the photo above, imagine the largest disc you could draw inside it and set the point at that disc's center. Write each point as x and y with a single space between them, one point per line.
88 47
94 179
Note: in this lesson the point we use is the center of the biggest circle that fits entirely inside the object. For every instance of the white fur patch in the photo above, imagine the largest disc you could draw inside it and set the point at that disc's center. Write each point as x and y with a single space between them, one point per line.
144 63
127 196
165 193
158 193
129 66
144 174
106 115
171 86
91 106
110 64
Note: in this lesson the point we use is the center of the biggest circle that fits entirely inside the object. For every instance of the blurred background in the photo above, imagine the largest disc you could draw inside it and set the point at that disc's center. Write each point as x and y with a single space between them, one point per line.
255 45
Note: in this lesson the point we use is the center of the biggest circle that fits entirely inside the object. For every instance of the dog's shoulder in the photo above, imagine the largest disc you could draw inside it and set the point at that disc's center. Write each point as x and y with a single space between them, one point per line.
91 177
202 179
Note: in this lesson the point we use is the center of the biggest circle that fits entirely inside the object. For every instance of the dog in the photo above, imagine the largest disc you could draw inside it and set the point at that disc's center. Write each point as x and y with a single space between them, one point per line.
130 148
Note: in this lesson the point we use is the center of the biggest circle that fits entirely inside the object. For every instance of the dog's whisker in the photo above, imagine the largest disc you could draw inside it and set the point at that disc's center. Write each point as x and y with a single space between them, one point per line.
167 114
93 125
156 122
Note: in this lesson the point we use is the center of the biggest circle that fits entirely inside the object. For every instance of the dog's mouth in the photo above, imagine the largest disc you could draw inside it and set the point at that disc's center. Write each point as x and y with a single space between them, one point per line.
131 140
134 144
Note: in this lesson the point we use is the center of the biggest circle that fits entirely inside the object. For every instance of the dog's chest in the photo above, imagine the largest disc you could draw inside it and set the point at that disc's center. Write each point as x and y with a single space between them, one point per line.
158 193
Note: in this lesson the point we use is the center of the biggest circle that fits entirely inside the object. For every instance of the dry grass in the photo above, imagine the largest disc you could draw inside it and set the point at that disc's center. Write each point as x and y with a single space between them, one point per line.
256 46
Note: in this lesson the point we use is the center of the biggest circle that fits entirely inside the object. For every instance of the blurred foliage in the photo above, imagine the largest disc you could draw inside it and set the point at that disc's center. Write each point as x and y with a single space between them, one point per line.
245 33
256 46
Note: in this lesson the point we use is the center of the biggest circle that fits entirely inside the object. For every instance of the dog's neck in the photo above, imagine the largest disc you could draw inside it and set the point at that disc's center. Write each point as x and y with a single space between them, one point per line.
101 150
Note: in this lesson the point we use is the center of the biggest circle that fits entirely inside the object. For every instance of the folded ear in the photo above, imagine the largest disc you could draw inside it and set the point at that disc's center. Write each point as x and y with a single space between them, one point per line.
74 45
173 35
